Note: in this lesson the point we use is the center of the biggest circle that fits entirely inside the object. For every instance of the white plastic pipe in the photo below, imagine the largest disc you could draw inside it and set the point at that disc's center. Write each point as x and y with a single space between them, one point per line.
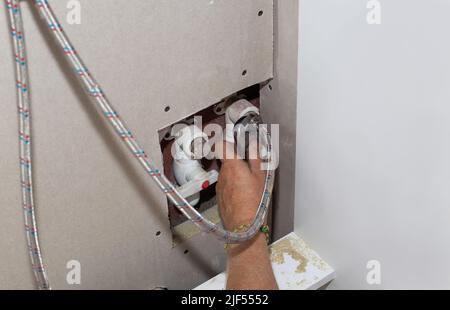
189 173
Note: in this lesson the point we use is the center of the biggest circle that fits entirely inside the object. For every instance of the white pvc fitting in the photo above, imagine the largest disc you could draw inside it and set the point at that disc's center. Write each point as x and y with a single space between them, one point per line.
234 113
187 169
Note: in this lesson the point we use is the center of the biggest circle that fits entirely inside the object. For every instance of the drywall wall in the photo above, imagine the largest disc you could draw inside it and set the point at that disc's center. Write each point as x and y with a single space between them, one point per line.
373 140
95 204
279 99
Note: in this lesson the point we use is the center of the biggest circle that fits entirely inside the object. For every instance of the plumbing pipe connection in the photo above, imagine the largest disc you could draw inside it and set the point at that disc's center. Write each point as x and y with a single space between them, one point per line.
244 124
187 169
234 114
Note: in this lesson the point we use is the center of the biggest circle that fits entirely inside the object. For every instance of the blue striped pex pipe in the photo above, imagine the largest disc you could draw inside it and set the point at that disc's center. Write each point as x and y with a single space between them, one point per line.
126 136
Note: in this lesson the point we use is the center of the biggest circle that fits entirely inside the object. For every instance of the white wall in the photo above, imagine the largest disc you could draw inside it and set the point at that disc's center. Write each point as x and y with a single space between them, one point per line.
373 165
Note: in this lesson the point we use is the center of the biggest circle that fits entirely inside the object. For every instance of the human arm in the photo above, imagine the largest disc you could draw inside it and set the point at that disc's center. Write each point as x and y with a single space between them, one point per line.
239 190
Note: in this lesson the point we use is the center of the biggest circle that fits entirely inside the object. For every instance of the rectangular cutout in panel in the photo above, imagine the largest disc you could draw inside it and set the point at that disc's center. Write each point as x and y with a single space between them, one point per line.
214 114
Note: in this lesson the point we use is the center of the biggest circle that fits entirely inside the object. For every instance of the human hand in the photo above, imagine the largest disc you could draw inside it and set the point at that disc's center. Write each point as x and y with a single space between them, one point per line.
239 188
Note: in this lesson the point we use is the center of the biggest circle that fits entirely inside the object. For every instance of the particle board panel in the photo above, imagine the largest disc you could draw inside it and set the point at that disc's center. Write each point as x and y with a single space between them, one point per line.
95 204
296 267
